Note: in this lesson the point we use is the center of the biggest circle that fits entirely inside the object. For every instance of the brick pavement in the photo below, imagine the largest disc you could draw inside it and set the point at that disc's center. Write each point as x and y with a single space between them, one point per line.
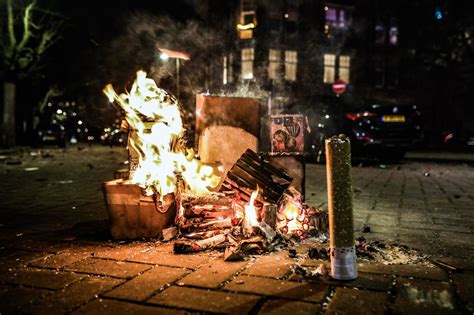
61 260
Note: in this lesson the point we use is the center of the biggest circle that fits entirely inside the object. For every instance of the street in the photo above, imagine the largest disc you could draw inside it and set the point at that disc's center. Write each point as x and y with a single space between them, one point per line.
56 253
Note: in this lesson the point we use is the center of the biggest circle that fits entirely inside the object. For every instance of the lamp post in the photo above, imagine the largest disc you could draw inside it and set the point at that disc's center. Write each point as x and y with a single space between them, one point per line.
168 53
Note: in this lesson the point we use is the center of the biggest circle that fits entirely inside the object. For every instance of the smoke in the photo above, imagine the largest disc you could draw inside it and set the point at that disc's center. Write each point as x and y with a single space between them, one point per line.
138 48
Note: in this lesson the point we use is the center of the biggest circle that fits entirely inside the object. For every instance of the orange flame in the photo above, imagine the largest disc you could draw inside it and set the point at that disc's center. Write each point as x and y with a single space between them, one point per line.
155 117
250 210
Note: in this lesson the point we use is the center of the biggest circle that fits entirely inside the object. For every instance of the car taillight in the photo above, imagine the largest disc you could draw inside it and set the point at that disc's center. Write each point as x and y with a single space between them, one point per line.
355 116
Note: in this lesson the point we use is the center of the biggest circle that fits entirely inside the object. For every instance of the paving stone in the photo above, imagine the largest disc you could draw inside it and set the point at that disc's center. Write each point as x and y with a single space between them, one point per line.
169 259
367 281
40 278
353 301
15 298
41 246
213 275
119 269
278 288
20 258
409 270
275 265
283 307
423 297
62 259
456 239
205 300
122 252
464 283
459 263
147 283
104 306
61 302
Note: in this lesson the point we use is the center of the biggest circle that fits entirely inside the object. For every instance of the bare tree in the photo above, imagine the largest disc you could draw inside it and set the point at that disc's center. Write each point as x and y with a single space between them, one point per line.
27 32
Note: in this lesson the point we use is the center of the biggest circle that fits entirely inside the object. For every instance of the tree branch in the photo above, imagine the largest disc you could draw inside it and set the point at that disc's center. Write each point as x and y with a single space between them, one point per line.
27 21
11 30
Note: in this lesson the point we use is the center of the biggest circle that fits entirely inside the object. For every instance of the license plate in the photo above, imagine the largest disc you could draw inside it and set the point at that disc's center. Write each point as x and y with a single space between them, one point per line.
49 138
393 118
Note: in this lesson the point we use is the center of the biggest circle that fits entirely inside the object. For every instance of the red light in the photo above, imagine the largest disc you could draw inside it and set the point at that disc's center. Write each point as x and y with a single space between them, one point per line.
352 116
355 116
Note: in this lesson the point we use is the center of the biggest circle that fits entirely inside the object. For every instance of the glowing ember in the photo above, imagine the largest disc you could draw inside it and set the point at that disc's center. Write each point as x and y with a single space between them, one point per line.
291 218
155 117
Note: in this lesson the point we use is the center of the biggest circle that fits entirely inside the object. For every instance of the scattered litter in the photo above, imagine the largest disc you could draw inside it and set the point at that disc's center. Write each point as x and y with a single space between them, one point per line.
73 207
292 253
233 254
70 238
239 281
19 234
382 166
315 253
170 233
65 181
444 265
388 254
29 169
3 157
426 174
310 273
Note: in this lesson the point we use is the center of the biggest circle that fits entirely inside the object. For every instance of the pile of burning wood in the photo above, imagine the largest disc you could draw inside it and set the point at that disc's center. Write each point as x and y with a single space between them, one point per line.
241 220
252 210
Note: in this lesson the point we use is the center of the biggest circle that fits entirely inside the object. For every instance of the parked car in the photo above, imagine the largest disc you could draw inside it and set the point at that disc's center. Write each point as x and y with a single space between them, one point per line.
50 133
382 130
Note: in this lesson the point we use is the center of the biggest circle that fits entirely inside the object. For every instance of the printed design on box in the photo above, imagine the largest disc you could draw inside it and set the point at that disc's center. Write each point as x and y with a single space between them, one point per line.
287 134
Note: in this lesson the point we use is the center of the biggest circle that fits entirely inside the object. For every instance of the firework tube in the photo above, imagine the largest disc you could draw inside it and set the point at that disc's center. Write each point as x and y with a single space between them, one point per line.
341 220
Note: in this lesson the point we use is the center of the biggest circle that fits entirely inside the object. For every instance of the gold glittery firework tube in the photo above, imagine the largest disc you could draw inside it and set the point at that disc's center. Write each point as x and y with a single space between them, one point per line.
341 221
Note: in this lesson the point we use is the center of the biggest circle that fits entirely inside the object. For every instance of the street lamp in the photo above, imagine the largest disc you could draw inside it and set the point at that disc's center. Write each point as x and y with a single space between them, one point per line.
168 53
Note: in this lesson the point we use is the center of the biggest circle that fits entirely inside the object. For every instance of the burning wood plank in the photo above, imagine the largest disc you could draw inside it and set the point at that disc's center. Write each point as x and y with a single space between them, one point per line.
183 247
251 171
200 213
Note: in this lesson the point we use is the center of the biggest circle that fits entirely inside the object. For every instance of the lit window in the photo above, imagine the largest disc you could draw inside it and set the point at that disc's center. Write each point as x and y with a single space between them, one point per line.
291 61
247 63
331 15
344 68
393 35
248 19
342 18
245 34
274 59
224 73
329 68
336 17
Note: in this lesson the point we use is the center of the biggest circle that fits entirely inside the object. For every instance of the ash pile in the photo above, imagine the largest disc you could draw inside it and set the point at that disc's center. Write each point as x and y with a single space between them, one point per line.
256 211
